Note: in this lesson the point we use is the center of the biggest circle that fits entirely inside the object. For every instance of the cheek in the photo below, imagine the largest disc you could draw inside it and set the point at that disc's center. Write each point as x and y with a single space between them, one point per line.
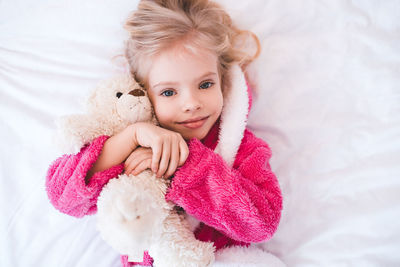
164 113
159 109
218 102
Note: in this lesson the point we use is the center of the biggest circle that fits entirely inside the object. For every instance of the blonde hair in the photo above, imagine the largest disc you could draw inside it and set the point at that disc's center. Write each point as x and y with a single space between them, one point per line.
160 24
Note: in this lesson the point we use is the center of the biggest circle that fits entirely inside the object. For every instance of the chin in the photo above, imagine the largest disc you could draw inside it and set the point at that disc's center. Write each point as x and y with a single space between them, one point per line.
189 136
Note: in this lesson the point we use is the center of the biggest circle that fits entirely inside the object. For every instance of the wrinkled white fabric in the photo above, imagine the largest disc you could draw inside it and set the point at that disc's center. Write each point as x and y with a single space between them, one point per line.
327 101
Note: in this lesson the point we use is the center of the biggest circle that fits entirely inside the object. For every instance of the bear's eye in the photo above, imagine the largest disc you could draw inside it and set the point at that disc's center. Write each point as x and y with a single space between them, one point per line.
119 94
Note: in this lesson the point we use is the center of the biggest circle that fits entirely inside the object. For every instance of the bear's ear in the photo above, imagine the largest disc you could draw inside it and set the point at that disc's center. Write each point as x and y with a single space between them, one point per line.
91 103
73 132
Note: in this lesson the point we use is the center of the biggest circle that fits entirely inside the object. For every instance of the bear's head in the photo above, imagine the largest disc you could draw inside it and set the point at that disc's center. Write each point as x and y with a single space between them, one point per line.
111 107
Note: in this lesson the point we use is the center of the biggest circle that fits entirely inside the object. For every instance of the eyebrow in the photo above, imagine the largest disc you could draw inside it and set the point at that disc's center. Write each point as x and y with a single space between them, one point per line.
210 73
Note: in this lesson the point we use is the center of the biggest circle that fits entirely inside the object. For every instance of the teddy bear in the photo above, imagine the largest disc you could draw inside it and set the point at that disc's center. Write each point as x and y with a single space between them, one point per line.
132 213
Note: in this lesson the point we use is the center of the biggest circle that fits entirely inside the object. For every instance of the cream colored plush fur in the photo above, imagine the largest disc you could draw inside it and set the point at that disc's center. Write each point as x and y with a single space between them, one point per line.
133 214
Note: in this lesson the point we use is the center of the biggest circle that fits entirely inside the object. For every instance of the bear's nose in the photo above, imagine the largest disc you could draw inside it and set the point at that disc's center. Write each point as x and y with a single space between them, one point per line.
137 92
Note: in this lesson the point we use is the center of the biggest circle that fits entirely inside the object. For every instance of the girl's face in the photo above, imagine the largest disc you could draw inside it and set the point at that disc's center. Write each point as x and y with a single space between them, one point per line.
185 90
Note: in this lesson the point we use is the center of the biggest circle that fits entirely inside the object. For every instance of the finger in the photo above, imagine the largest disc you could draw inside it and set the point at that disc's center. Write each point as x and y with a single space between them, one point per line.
155 160
174 159
130 159
131 166
183 152
145 164
166 154
135 158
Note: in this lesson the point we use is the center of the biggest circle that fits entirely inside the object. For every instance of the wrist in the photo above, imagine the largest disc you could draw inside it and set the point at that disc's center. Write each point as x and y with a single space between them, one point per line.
132 130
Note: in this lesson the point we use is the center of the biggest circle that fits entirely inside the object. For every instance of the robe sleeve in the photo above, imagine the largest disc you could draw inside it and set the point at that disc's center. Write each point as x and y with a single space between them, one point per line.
65 180
243 201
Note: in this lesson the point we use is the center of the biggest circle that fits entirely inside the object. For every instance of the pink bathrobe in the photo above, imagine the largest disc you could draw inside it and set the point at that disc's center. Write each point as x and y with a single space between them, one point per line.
226 182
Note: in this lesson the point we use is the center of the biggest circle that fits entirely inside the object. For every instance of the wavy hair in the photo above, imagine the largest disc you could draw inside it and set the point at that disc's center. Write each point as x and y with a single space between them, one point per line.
160 24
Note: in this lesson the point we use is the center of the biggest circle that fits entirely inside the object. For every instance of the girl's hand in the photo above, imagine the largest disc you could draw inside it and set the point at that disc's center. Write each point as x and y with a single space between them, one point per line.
138 161
168 147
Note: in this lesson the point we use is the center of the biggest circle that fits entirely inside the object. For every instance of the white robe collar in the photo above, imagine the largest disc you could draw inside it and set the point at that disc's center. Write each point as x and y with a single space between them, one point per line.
233 116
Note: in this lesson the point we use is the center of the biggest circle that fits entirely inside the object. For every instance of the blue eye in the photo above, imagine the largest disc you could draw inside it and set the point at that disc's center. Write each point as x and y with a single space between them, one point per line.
168 93
206 85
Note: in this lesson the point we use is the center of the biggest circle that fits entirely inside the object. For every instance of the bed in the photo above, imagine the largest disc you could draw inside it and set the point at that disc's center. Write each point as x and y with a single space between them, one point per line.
326 99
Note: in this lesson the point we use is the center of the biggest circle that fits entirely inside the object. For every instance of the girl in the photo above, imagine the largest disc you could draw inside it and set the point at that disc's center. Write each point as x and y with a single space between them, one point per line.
186 54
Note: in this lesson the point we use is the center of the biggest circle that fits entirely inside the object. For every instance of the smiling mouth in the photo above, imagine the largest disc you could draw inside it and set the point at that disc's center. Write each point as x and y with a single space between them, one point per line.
193 120
195 123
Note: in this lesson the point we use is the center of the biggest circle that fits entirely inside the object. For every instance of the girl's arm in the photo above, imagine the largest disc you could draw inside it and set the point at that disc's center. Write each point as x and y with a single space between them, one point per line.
168 147
74 182
115 151
65 180
244 202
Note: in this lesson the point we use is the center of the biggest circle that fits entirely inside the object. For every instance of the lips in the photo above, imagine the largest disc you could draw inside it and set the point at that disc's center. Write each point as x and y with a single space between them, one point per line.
193 120
194 123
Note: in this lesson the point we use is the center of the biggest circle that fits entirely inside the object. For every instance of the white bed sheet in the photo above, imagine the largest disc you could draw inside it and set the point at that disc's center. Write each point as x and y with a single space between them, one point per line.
327 101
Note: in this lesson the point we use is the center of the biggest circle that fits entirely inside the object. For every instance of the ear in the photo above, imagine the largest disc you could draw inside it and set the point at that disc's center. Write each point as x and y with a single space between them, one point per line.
75 131
91 103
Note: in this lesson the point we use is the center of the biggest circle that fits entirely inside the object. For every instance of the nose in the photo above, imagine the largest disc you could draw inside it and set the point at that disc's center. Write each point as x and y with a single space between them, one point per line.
192 103
137 92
